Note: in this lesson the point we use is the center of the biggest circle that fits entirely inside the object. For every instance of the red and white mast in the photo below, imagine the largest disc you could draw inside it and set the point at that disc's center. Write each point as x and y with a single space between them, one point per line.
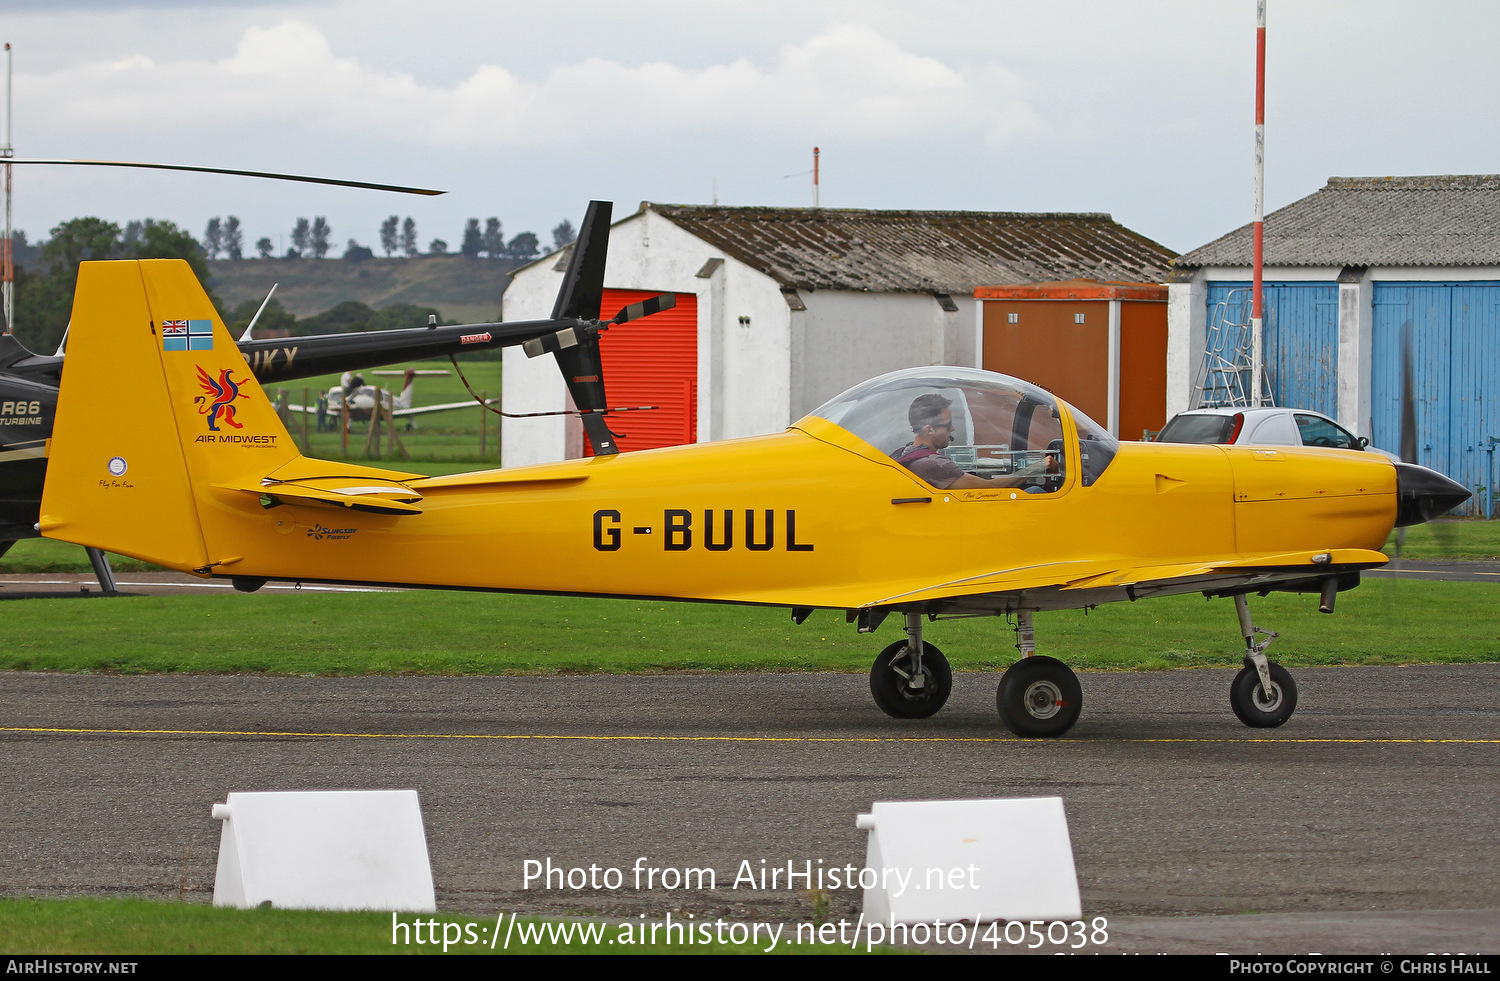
1257 336
815 176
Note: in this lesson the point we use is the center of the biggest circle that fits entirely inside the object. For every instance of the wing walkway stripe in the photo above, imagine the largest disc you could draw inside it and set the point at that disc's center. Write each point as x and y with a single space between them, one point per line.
1382 740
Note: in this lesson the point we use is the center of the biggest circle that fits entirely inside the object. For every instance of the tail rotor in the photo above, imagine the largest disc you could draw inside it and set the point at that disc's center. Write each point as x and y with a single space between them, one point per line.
576 346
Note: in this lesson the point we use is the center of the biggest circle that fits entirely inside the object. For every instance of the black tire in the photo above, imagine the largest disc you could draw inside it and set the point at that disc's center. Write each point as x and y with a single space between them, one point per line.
1039 697
1250 705
896 695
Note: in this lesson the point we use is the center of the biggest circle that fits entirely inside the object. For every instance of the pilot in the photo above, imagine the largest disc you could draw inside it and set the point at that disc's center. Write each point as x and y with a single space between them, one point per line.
931 418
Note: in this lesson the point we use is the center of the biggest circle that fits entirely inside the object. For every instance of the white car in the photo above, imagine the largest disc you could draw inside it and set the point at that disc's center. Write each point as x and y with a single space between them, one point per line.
1263 427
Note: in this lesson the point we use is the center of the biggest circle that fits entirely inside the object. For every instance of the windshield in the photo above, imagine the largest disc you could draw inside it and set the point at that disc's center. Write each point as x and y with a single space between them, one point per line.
988 425
1096 447
1205 428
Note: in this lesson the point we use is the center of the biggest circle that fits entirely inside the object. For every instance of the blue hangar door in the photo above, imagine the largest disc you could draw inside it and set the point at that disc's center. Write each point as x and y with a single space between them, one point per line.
1301 338
1455 344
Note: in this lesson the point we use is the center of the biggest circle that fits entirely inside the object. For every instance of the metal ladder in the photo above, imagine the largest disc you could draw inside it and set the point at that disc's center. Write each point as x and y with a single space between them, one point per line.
1224 377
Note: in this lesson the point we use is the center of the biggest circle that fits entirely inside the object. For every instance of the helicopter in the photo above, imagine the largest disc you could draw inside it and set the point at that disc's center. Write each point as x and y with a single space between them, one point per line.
825 515
29 382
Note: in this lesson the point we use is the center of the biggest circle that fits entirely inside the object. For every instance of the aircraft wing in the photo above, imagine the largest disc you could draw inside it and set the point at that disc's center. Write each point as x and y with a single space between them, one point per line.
413 411
1063 585
418 410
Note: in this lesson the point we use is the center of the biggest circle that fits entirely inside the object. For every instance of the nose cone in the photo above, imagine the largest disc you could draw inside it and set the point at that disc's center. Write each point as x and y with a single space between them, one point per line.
1423 494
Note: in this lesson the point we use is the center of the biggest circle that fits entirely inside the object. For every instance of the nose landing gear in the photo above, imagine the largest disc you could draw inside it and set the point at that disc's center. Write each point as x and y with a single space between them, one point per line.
1263 694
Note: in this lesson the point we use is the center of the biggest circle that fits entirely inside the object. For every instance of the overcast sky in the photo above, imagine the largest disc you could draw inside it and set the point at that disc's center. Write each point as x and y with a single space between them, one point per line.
525 111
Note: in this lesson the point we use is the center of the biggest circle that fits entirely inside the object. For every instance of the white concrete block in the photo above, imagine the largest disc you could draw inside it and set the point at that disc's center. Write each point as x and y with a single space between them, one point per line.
333 849
977 860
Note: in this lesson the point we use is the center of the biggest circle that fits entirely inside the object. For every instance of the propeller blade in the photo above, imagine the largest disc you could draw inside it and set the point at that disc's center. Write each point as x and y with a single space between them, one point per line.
645 308
398 188
1408 447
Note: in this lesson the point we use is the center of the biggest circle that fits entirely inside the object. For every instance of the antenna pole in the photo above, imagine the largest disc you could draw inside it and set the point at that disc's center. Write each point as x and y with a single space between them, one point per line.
815 177
1258 361
7 257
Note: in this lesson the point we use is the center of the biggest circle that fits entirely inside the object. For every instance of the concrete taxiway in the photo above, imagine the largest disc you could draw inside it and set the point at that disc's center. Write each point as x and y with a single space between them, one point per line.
1360 826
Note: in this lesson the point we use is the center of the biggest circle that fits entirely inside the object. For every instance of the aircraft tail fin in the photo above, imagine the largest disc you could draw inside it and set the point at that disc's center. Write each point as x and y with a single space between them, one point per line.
161 427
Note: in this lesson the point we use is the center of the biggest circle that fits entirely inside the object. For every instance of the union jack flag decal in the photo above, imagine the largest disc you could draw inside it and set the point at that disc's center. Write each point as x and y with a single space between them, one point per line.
187 335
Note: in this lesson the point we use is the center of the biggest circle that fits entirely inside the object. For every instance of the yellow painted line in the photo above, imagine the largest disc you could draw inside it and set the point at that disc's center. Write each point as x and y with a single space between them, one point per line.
732 739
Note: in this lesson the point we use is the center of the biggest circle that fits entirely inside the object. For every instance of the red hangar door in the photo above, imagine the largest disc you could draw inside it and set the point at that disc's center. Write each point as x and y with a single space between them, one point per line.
653 361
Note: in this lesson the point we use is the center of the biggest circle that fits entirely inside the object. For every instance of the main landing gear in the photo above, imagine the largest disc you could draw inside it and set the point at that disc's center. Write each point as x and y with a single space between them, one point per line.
1263 694
1040 697
911 678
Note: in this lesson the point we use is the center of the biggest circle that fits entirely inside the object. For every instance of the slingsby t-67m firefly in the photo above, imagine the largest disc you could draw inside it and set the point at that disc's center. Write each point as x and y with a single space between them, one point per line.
819 516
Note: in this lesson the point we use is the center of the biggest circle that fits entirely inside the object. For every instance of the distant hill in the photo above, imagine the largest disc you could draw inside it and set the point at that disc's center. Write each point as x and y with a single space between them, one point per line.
466 290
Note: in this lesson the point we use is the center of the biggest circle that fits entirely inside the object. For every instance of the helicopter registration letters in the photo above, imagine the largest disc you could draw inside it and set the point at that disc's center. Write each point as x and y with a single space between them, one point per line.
20 413
716 533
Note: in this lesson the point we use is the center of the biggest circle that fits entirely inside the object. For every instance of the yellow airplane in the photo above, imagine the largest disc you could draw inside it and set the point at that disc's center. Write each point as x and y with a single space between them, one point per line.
178 458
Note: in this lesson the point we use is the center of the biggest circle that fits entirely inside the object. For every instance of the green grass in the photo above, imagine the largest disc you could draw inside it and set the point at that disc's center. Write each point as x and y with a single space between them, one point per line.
451 437
114 927
455 633
1457 539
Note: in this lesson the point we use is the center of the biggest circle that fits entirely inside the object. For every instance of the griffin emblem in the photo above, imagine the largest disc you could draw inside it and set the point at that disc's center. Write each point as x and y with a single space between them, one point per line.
217 402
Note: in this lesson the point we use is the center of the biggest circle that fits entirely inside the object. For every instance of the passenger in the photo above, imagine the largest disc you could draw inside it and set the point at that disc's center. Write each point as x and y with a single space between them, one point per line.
931 418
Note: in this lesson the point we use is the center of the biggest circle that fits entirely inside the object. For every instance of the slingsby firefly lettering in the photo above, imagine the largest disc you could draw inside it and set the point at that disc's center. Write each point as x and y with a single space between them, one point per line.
716 532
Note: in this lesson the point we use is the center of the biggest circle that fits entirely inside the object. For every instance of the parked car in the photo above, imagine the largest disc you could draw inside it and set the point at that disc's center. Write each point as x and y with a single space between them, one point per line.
1263 427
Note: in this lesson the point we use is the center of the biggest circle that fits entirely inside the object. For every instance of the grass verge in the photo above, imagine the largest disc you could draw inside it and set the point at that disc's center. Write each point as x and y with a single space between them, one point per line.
108 927
1385 621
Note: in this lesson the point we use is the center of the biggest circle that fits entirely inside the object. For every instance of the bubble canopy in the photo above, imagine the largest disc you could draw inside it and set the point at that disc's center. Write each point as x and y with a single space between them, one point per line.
1001 425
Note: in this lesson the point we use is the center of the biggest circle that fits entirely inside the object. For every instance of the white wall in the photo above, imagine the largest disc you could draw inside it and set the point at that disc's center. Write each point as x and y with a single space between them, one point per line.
532 385
749 359
1355 321
1187 322
845 338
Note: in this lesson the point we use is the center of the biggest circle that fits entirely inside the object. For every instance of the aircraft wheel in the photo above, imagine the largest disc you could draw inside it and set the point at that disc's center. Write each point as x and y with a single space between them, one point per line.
1251 705
1039 696
891 682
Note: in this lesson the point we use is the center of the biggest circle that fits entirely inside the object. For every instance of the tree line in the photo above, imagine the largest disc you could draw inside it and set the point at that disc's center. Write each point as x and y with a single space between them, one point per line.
46 275
44 291
223 237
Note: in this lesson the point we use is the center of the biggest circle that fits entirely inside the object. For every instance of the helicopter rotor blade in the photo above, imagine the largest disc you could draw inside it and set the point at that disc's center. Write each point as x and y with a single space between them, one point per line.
398 188
645 308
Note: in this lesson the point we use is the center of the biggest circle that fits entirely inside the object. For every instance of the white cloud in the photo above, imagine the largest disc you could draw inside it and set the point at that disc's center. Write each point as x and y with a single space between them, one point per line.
847 83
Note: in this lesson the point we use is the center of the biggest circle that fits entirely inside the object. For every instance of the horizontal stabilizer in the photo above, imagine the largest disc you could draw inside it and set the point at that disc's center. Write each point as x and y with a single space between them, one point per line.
337 492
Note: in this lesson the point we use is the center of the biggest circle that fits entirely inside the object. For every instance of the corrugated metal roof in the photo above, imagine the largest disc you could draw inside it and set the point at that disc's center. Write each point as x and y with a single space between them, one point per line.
1375 221
921 251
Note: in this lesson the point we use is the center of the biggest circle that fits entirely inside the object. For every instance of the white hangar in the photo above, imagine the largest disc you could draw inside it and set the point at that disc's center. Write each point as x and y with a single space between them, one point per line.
779 309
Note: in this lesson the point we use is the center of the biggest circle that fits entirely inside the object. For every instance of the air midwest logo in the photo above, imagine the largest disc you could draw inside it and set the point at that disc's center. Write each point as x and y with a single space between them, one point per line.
335 534
217 400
